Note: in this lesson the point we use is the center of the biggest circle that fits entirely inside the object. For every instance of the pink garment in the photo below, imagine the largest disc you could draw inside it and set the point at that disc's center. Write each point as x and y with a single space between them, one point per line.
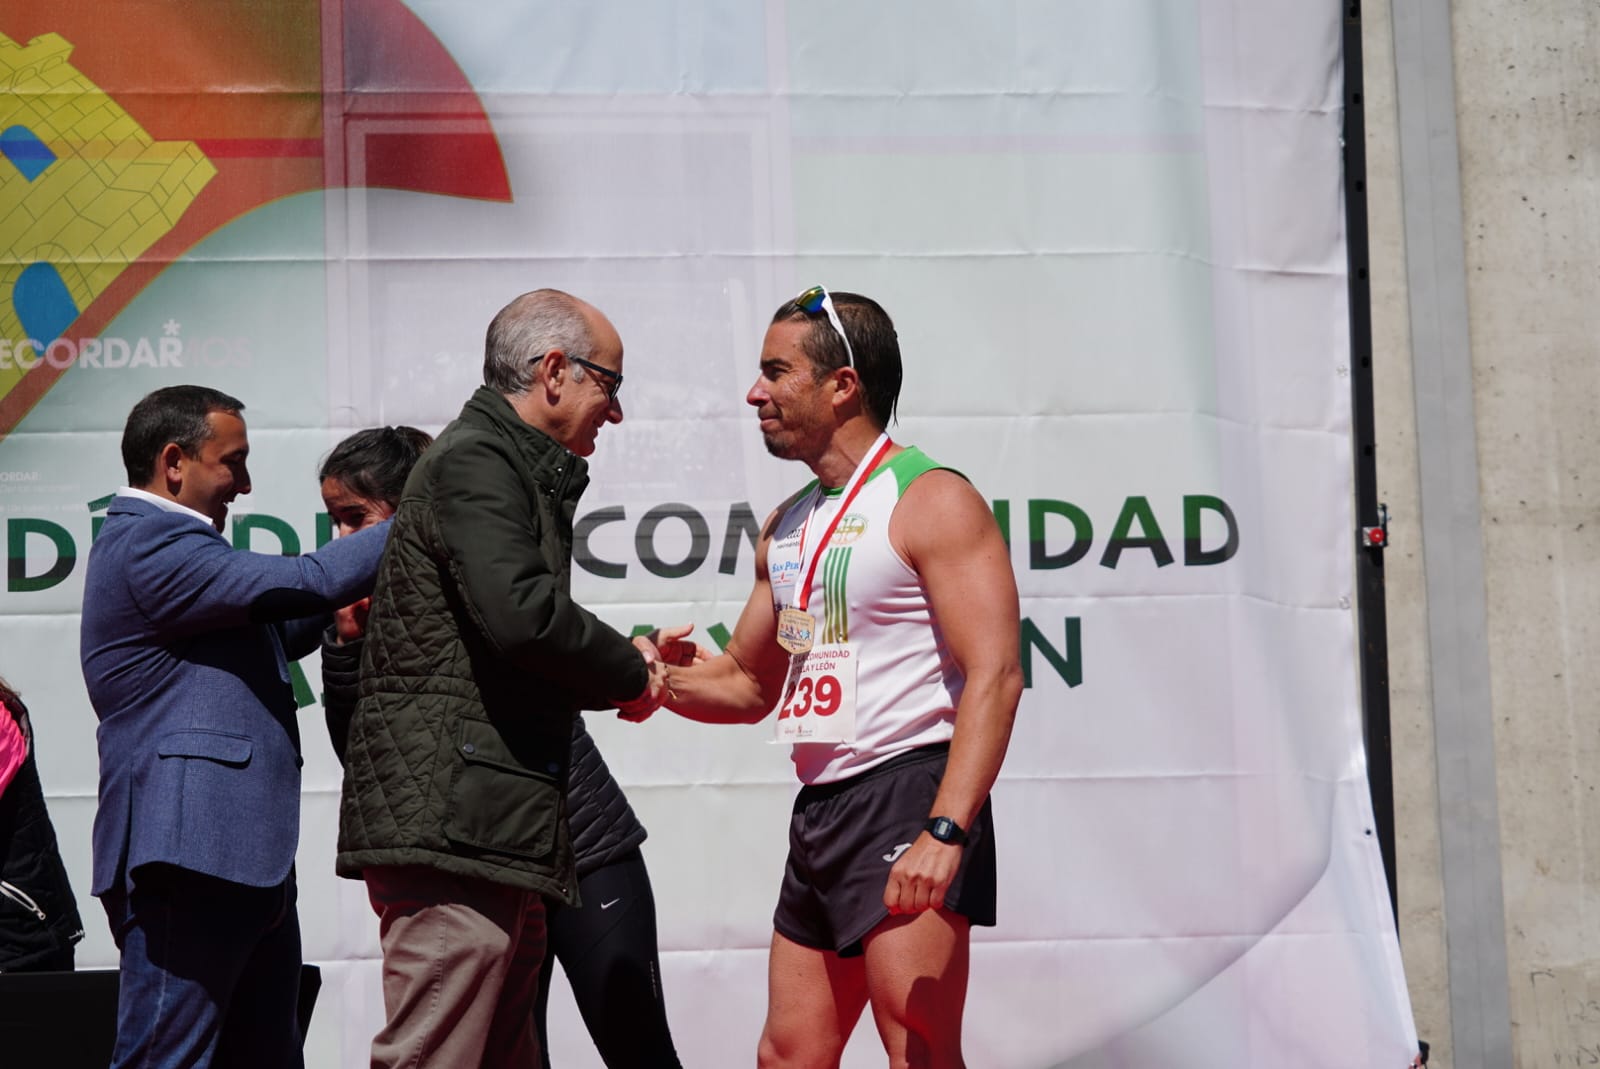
13 747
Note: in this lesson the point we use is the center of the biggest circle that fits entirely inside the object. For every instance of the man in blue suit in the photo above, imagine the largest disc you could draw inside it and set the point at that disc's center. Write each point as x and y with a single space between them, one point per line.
186 646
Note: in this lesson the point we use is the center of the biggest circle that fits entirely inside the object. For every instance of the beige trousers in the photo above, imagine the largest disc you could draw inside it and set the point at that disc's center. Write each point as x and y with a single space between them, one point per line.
461 962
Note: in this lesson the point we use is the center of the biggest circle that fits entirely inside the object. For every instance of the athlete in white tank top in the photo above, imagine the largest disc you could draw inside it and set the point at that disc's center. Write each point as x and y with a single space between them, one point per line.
865 649
906 686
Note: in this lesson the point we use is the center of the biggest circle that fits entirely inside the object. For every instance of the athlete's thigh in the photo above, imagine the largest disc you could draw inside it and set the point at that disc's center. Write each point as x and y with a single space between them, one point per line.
814 998
916 975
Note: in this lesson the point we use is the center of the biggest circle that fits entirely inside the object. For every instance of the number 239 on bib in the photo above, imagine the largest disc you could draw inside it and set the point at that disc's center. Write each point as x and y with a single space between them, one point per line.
819 698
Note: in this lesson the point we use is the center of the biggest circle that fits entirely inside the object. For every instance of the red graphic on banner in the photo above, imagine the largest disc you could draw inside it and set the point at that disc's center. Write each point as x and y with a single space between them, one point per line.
180 116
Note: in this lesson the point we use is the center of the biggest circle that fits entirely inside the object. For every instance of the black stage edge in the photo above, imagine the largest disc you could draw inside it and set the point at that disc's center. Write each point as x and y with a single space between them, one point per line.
68 1020
59 1020
1371 535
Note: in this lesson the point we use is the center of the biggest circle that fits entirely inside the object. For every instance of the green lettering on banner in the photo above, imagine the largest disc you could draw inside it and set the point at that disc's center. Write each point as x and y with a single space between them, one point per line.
303 694
324 529
583 557
288 541
742 529
1002 517
18 581
1041 559
699 540
741 522
1136 508
1193 506
1068 665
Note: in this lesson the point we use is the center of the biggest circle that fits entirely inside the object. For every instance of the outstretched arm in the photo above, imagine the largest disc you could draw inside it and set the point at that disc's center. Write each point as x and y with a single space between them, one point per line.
186 580
742 684
945 530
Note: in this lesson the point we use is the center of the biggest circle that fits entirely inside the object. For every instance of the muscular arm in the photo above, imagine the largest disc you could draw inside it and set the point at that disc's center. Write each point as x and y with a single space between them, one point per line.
741 685
945 531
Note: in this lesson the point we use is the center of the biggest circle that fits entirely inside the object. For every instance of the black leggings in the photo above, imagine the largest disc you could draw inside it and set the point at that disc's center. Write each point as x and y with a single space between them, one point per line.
607 948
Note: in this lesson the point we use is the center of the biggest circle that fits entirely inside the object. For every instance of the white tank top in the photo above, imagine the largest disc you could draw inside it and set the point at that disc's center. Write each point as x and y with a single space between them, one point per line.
907 685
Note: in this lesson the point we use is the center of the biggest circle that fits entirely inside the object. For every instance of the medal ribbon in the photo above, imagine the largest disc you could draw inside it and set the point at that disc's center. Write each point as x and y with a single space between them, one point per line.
858 479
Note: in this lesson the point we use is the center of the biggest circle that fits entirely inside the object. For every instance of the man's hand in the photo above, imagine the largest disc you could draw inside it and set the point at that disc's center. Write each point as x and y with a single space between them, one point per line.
350 622
638 710
661 648
672 645
920 878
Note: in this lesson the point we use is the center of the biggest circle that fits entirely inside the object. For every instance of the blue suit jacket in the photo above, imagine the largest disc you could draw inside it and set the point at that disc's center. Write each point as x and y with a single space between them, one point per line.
186 644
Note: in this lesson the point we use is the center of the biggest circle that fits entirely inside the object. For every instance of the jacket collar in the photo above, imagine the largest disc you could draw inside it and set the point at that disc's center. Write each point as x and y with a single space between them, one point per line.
549 462
127 505
162 503
130 506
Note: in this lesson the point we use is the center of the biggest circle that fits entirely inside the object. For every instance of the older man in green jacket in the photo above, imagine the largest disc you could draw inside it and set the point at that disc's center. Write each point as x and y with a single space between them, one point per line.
476 661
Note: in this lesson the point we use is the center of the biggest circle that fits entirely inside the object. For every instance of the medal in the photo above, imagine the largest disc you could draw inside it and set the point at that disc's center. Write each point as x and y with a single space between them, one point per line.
795 627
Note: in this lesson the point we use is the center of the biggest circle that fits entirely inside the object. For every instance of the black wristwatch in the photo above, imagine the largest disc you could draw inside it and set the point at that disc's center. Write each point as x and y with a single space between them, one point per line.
945 830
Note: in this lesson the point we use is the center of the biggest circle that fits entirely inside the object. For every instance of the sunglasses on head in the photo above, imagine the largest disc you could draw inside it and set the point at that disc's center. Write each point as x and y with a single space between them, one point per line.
816 300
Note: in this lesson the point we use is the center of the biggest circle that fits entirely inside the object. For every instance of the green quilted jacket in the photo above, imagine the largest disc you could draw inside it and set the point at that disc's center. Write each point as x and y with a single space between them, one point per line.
476 662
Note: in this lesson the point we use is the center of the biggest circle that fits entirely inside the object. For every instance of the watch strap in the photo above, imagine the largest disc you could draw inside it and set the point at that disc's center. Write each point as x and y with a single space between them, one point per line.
945 830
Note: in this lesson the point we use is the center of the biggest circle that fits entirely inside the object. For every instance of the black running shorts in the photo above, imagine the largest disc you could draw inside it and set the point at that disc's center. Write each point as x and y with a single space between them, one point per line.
845 836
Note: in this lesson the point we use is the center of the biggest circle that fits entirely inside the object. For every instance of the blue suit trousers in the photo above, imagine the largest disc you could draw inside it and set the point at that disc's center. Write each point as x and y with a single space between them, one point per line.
210 972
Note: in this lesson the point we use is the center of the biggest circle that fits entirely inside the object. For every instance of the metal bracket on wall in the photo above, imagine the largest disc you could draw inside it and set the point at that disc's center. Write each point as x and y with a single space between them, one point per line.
1376 536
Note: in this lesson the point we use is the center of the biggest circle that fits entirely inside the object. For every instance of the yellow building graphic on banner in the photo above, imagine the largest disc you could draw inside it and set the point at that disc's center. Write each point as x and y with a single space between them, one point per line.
84 192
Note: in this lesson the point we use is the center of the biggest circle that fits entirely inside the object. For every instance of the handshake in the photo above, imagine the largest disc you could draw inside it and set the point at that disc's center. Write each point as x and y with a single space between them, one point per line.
662 649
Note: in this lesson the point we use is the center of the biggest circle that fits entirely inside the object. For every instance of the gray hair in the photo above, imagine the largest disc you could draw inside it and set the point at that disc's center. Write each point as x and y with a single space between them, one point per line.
526 329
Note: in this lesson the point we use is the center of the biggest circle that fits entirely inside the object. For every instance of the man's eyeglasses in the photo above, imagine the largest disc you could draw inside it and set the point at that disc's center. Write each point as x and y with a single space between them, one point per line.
610 381
816 300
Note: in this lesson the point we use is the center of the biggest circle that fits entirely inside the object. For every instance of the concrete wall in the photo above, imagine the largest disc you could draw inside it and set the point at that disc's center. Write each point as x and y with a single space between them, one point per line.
1527 90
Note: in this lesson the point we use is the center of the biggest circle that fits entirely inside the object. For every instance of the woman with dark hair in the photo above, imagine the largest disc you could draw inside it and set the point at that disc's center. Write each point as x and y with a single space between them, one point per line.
361 481
607 947
39 920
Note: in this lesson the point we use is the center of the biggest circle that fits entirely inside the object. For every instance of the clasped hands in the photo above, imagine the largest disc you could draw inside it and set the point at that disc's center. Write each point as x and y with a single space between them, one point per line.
661 648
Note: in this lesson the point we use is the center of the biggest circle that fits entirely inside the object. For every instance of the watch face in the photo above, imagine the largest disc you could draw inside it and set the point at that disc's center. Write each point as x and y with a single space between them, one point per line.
941 828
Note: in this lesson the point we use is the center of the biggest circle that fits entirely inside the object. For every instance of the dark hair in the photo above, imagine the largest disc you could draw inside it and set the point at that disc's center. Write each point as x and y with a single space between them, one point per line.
527 328
374 463
872 340
173 414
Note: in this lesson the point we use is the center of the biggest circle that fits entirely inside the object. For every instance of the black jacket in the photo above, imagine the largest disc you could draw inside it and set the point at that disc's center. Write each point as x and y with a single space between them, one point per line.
475 664
341 675
38 915
603 824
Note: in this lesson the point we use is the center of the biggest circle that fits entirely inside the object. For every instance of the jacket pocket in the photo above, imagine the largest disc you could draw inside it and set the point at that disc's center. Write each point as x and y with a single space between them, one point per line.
213 745
498 803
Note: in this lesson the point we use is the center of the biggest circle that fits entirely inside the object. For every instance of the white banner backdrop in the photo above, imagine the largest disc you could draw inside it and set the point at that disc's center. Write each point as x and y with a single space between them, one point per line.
1111 235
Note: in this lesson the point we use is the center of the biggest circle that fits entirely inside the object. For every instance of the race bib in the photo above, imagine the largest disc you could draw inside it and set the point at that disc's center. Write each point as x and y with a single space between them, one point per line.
819 698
